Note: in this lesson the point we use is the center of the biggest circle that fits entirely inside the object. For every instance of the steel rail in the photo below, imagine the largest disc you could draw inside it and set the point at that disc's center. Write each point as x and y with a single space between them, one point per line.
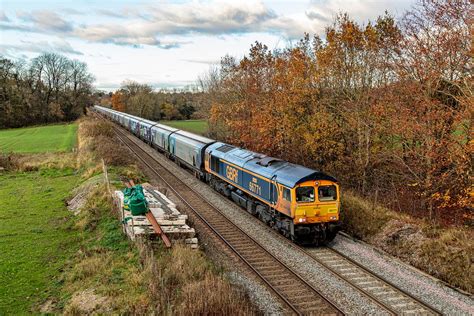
381 302
386 283
328 305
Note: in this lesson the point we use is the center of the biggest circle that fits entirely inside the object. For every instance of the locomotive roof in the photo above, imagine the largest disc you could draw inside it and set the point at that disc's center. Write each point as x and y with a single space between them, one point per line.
291 175
284 172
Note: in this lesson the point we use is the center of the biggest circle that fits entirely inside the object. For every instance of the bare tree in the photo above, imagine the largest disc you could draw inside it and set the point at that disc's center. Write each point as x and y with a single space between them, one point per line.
49 88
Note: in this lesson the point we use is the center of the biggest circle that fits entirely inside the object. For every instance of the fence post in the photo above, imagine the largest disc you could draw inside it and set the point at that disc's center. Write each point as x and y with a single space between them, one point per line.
106 175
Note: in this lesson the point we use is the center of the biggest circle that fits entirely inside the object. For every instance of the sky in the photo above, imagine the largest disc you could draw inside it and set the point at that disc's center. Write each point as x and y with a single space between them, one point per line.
167 44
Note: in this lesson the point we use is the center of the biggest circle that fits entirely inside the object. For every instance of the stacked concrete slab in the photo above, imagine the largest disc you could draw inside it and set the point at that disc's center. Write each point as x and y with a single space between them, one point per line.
172 222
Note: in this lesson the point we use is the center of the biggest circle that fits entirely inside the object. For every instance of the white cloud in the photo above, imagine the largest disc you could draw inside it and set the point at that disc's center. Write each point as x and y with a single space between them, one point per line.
71 11
199 32
59 46
45 20
148 25
3 16
133 34
202 61
323 12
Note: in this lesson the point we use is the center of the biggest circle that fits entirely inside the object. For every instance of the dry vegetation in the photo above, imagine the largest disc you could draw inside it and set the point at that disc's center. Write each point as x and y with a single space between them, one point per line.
184 282
109 274
96 141
445 253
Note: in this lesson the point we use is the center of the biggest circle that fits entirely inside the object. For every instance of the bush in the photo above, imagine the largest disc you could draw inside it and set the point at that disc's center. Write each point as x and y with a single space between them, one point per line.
360 217
448 257
212 296
98 136
184 282
111 151
7 161
442 252
93 128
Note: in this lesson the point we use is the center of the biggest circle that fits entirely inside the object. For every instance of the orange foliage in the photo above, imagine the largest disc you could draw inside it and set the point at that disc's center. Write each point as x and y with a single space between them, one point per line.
374 105
118 101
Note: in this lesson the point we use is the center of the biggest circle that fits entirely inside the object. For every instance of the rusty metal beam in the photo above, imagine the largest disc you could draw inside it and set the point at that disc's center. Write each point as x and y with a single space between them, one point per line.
158 230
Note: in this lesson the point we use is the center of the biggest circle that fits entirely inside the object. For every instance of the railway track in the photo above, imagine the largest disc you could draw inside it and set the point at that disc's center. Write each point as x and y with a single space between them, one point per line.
380 290
295 292
300 297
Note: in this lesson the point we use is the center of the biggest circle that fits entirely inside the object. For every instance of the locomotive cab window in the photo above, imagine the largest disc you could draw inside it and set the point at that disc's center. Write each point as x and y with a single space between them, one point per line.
327 193
287 194
305 194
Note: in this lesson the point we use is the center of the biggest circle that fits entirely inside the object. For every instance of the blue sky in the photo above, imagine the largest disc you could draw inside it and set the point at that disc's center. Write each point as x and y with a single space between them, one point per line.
166 43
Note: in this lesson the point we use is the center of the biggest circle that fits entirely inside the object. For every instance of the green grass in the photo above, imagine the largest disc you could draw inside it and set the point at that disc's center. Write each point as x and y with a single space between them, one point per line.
36 237
49 138
193 126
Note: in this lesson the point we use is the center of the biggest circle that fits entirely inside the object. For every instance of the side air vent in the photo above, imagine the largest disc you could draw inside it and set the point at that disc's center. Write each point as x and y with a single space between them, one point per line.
225 148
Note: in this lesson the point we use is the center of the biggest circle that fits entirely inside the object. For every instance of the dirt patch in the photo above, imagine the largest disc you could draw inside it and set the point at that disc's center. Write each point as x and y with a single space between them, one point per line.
80 194
397 236
47 307
87 302
7 162
397 231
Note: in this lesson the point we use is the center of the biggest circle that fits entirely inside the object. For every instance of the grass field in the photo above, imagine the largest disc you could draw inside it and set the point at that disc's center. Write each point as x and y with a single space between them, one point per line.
35 237
193 126
49 138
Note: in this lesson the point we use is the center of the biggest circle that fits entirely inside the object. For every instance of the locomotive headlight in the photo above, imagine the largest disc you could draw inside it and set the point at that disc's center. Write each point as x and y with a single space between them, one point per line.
302 220
333 218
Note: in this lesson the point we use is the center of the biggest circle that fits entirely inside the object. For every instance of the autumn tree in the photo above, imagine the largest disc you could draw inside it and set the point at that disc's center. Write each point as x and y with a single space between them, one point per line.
385 106
118 101
435 65
351 64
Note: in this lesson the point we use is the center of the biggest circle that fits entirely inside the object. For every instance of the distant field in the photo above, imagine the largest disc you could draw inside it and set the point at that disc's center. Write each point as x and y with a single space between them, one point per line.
49 138
35 238
193 126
